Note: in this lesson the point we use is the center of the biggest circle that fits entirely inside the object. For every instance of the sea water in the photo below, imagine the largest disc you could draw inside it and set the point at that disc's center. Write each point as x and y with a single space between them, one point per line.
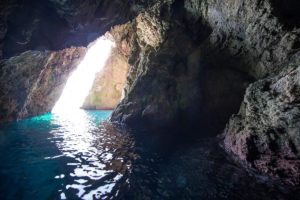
86 157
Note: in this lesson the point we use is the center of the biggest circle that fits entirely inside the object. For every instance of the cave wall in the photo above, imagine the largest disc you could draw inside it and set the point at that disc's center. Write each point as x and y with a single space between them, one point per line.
265 133
31 83
54 24
188 45
191 62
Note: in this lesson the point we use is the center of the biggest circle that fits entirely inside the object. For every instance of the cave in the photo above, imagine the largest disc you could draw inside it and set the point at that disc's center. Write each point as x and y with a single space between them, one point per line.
168 99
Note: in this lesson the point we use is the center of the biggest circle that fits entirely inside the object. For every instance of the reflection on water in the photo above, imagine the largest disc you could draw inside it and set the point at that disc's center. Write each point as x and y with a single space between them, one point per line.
85 164
84 157
78 137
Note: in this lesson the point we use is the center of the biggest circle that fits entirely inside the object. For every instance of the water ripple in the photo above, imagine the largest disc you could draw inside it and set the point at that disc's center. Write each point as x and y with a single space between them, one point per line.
97 160
85 157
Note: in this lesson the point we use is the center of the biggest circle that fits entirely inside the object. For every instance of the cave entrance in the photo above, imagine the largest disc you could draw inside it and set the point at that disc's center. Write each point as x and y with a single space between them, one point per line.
91 83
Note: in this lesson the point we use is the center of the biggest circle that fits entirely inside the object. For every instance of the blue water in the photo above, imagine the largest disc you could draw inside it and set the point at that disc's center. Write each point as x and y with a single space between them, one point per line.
53 157
85 157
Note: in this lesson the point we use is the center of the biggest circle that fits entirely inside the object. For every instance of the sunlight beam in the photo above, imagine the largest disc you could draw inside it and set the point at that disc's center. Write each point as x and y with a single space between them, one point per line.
81 80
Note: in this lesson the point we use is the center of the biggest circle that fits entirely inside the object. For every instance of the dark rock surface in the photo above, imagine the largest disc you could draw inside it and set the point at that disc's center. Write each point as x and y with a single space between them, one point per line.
54 24
191 63
251 32
266 132
196 58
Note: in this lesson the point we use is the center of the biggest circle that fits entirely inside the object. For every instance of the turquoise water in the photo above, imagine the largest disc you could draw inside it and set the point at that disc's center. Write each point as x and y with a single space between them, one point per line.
84 157
52 157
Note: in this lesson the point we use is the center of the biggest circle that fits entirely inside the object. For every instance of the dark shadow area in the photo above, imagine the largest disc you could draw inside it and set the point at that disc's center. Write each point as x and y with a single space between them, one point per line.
287 12
50 25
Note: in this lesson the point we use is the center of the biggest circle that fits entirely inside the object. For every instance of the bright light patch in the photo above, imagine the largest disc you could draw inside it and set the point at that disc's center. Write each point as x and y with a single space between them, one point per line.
81 80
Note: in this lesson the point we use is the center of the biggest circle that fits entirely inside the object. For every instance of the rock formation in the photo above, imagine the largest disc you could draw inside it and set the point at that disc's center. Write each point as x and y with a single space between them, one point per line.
31 83
189 59
265 133
107 89
191 64
55 24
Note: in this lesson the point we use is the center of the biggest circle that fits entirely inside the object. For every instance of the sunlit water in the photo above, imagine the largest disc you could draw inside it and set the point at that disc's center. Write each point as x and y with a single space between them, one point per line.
51 157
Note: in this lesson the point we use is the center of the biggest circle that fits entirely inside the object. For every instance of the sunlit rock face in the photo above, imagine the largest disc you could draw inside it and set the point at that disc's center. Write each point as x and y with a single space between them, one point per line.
32 82
108 86
37 82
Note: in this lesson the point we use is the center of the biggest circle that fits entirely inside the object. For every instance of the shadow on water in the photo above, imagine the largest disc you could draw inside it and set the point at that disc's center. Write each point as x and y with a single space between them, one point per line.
48 157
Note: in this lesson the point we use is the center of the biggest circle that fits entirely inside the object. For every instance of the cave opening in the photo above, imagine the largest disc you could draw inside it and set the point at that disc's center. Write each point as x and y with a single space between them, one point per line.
80 81
177 100
83 83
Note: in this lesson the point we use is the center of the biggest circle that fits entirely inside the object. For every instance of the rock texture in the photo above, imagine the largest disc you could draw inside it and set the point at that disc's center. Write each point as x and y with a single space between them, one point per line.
191 62
265 134
251 32
31 83
55 24
186 52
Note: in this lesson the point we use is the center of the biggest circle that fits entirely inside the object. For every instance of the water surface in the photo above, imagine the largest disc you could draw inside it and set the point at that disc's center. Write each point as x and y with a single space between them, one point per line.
84 157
